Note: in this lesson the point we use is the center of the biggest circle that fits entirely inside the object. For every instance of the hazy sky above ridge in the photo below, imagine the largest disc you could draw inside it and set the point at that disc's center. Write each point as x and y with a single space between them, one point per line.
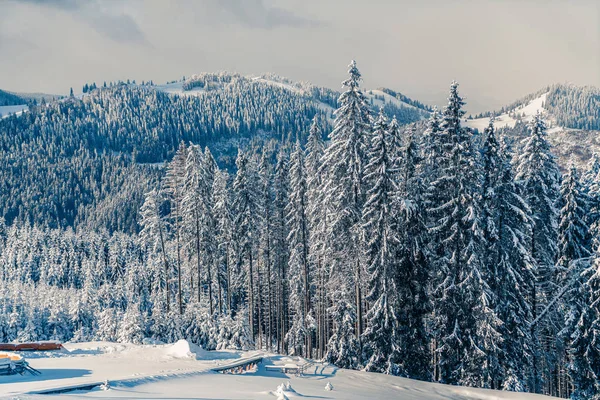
499 50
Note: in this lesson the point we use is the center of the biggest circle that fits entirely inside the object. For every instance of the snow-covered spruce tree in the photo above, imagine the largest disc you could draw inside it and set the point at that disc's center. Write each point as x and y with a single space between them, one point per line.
573 245
132 326
317 210
464 320
434 140
584 350
381 347
395 140
280 248
592 170
344 161
209 223
223 237
412 275
507 228
573 232
591 187
266 199
192 207
154 232
174 190
539 176
298 338
245 206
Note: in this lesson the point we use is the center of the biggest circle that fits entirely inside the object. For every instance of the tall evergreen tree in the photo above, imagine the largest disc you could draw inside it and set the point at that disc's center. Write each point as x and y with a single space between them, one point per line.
507 228
299 338
463 318
280 247
381 344
245 224
585 337
154 232
174 188
412 275
317 211
539 176
345 160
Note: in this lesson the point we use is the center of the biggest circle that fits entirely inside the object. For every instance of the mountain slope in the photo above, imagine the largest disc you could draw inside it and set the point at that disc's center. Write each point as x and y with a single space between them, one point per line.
572 116
10 99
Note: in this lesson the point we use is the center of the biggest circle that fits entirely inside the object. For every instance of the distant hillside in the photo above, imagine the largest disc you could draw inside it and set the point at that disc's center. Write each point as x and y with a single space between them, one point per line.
10 99
572 114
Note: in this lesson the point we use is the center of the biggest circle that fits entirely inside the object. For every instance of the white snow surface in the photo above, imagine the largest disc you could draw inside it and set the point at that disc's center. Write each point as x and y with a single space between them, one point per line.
6 111
183 371
371 93
506 119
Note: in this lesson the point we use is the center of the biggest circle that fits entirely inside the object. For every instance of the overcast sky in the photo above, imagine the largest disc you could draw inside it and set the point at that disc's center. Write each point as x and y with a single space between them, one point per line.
498 50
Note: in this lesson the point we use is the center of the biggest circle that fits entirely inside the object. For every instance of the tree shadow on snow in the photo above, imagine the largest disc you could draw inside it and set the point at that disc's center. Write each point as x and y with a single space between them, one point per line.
49 374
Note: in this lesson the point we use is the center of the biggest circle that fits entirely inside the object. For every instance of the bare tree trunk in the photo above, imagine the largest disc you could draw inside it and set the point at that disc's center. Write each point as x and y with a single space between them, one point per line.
228 280
210 293
251 294
198 255
166 264
259 303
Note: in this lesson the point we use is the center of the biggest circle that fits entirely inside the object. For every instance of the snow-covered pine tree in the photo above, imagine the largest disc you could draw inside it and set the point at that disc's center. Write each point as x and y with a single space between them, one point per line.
395 141
223 236
192 207
584 351
280 248
316 212
573 245
209 169
381 347
593 167
412 276
266 240
298 338
538 174
174 190
573 232
344 161
154 232
245 206
463 318
507 228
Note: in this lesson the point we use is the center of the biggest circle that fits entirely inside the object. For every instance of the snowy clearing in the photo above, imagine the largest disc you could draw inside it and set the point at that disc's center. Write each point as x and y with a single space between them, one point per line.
380 98
6 111
183 370
177 88
507 119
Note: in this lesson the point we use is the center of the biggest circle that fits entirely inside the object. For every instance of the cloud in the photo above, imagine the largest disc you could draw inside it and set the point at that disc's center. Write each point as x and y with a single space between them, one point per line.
257 14
119 27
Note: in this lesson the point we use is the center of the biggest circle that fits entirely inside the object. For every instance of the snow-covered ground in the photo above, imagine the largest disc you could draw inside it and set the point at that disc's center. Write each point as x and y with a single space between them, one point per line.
507 119
177 88
184 371
5 111
381 98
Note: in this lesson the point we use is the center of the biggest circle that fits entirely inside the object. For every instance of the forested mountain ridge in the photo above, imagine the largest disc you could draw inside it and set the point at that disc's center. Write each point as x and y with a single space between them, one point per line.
10 99
572 114
63 161
47 154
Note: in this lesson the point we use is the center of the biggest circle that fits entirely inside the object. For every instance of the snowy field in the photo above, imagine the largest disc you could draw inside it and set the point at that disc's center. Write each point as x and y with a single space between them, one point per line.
184 371
6 111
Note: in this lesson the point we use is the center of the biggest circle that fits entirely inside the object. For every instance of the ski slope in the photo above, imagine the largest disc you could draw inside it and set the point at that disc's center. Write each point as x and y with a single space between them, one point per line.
184 371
